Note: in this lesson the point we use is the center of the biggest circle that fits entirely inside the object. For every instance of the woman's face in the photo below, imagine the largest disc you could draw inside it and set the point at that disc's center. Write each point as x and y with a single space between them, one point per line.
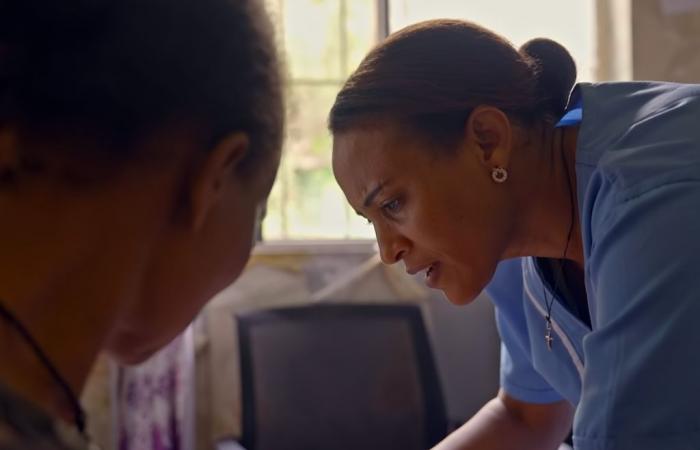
439 211
201 250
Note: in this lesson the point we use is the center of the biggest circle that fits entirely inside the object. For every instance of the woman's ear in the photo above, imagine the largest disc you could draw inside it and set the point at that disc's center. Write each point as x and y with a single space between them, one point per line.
488 130
216 172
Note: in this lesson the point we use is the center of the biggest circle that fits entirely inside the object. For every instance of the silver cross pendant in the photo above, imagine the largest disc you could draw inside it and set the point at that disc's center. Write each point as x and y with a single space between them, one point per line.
548 339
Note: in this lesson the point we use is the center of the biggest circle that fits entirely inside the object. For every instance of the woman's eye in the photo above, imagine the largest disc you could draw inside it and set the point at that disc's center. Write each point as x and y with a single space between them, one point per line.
391 206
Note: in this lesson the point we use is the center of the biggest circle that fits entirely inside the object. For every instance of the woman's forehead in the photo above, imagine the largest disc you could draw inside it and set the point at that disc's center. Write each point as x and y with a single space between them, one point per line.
370 146
365 159
360 162
363 152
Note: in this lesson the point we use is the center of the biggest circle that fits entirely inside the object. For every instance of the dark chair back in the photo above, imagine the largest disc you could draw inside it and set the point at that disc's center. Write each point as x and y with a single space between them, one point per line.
336 377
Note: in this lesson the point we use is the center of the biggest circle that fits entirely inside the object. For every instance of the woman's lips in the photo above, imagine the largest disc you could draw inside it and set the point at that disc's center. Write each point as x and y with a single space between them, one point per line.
432 275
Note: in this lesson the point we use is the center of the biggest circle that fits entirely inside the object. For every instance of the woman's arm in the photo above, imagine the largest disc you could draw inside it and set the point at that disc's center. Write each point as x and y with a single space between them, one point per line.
507 423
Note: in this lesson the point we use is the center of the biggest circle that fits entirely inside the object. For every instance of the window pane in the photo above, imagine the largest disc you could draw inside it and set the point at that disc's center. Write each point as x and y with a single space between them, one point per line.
312 38
323 41
571 23
306 202
361 25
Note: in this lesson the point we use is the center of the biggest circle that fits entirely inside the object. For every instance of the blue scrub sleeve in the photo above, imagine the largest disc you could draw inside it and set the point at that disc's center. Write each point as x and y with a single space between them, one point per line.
641 385
518 377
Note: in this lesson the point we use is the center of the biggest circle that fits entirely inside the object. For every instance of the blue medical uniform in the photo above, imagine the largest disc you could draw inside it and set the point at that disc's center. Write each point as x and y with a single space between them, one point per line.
634 373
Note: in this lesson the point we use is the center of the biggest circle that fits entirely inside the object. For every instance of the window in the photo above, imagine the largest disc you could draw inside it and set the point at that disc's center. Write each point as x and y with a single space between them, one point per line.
323 42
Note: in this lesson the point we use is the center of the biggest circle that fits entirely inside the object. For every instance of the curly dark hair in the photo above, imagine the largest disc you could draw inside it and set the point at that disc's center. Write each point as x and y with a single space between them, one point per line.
113 70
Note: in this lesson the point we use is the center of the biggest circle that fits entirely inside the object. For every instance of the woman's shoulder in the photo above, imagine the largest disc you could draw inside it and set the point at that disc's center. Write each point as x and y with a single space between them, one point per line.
23 426
638 136
631 119
633 101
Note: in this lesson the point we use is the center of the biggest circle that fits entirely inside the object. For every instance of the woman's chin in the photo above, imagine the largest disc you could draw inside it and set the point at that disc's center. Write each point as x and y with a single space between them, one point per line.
460 296
131 357
130 349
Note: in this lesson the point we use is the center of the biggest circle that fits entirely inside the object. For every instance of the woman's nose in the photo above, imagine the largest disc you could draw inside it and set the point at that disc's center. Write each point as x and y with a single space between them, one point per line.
392 246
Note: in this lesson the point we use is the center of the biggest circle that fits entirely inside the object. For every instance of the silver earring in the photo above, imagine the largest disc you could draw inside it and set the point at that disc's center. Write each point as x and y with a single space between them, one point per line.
499 174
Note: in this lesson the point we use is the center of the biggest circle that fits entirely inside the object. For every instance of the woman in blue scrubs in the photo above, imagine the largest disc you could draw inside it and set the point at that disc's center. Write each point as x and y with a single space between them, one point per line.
576 207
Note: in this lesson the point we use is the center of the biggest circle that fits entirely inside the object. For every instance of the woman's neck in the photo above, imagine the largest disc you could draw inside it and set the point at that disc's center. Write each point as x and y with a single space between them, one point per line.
548 216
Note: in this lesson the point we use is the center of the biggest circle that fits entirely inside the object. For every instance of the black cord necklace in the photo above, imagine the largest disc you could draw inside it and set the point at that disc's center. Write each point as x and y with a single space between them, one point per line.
548 338
78 412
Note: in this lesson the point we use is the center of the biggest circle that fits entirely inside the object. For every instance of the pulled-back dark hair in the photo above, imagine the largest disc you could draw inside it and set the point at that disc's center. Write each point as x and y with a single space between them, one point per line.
432 74
115 69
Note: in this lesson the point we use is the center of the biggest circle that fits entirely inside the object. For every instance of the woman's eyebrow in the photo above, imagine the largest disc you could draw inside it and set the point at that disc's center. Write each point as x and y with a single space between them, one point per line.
369 199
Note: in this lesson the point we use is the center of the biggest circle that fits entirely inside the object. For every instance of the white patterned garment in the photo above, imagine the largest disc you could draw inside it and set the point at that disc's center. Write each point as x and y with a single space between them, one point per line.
155 400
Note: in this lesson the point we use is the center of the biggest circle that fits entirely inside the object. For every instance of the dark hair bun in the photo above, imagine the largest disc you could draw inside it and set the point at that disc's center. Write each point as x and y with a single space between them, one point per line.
554 70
